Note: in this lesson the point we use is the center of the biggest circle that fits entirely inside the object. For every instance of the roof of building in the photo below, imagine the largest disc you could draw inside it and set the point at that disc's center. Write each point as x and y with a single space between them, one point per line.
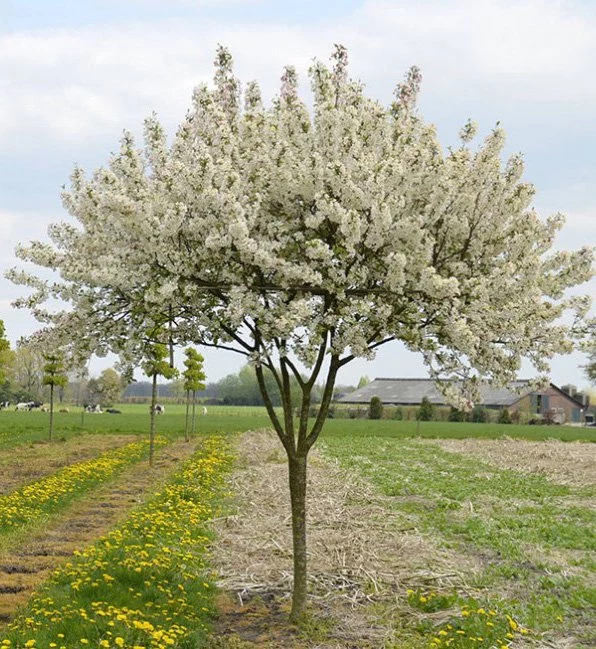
412 391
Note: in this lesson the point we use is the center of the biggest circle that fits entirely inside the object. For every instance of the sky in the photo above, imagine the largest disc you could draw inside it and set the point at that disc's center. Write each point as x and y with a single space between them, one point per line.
74 74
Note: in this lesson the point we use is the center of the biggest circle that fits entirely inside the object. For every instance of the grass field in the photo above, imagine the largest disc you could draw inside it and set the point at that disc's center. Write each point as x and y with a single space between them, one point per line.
18 427
511 507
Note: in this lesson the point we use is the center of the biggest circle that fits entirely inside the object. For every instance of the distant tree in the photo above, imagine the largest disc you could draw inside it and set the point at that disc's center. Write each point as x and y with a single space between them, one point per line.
375 408
156 364
426 410
92 392
364 380
590 347
26 372
54 376
194 378
6 355
175 388
109 387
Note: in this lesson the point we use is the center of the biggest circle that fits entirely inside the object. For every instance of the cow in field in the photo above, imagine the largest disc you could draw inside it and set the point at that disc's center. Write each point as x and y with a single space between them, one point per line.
4 404
159 409
23 405
204 411
113 411
93 407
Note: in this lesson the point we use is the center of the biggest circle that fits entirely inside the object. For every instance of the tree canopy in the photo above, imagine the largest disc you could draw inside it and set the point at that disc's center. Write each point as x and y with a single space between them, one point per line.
288 231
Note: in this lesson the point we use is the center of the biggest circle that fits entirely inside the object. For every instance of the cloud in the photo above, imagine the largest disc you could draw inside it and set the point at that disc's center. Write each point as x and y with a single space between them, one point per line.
68 85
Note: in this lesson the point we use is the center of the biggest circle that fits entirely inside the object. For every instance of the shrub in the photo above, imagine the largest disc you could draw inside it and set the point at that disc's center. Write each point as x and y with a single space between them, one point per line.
479 415
398 413
426 410
375 410
456 415
504 416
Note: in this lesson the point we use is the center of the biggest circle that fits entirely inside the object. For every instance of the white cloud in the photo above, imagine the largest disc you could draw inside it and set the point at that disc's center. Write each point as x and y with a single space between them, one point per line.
78 83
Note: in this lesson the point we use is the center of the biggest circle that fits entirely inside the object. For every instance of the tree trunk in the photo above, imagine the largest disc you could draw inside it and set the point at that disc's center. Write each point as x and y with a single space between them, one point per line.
194 405
186 424
297 474
152 419
51 411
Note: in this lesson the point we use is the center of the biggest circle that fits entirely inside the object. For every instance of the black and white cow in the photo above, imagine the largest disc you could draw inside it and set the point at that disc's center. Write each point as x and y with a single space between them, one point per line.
93 407
4 404
159 409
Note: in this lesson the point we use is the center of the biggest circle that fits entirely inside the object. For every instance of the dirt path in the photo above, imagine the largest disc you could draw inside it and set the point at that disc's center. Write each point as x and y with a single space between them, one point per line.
359 553
29 462
23 568
571 463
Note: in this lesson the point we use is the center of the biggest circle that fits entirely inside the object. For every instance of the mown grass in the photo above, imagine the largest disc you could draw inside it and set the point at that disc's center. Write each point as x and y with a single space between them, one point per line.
536 539
145 585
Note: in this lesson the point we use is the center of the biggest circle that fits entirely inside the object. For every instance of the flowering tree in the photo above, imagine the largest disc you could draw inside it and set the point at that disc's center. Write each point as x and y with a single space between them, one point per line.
306 238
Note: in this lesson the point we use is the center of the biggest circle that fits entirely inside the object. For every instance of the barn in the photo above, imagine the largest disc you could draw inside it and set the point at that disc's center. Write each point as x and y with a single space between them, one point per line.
550 402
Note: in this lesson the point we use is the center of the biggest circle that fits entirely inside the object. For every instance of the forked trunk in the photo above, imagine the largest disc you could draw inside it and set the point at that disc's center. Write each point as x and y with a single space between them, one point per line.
152 420
297 475
297 442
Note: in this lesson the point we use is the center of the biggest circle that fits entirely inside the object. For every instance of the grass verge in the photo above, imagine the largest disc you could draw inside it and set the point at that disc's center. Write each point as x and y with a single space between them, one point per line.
533 538
146 584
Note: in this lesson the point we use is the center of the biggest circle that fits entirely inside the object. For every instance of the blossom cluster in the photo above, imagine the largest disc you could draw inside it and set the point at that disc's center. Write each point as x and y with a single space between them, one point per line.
146 585
30 503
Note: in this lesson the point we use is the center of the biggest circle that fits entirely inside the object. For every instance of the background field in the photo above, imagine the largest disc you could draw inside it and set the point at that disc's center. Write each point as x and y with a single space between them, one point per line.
16 427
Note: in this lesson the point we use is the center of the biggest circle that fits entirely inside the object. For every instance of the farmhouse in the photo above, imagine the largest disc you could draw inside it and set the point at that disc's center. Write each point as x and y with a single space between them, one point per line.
551 402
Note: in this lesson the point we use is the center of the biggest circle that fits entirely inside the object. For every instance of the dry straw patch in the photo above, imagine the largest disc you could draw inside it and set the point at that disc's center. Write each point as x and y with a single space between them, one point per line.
567 463
360 554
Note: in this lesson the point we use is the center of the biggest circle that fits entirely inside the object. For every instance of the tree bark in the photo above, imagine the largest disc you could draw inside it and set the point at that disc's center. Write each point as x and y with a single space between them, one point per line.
186 425
152 419
51 410
297 475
